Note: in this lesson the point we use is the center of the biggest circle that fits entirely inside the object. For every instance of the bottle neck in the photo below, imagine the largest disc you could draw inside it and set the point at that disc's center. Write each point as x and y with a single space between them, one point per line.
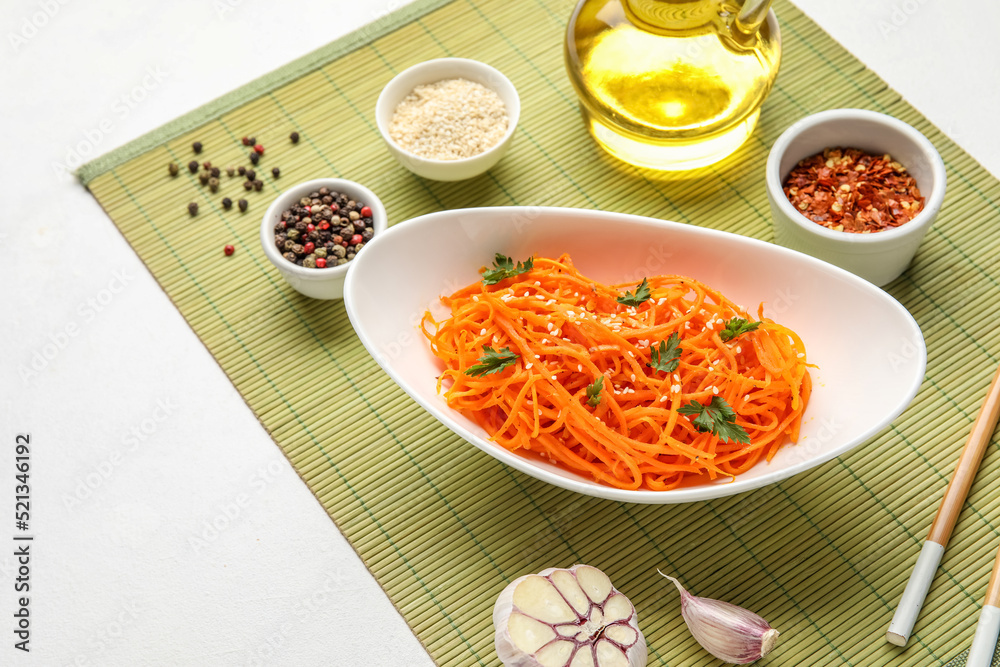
672 16
692 17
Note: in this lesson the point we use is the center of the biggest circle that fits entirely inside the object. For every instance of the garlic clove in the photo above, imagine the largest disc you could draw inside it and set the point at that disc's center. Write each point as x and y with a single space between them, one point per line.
730 633
534 634
567 618
609 655
622 634
618 608
538 598
571 590
595 583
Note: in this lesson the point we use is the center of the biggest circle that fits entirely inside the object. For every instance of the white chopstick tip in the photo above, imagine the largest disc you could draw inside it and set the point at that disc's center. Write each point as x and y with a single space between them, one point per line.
895 639
985 641
913 596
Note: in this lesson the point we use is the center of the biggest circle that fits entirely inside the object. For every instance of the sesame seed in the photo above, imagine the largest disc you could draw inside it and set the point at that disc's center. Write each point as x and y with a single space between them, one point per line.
526 367
549 326
633 377
482 332
747 398
449 119
663 399
800 355
715 390
579 367
475 297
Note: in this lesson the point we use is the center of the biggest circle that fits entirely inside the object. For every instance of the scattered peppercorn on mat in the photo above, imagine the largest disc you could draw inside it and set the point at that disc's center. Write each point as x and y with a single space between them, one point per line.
443 527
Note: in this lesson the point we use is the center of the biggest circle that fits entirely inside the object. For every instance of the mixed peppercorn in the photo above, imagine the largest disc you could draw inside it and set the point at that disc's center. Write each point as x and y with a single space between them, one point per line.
848 190
323 230
210 176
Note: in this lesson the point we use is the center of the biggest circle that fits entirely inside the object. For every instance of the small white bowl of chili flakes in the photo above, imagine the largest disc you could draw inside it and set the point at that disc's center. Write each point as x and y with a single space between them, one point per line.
855 188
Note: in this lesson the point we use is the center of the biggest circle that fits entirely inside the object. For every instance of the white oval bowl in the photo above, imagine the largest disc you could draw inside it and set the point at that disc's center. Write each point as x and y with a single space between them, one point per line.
431 71
869 351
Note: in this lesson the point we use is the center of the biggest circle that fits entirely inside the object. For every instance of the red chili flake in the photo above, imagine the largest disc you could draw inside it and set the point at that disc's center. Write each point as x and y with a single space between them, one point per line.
846 189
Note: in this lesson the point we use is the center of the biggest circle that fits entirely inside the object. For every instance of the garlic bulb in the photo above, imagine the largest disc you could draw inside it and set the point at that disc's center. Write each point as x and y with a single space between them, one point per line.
728 632
567 618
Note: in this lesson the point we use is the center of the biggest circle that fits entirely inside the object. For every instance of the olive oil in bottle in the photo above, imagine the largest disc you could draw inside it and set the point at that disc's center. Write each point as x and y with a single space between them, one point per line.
672 84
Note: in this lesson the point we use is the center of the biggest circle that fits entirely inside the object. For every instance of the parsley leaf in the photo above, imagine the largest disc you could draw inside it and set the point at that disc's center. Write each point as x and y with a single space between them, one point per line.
736 327
594 392
504 267
492 361
641 296
667 357
716 417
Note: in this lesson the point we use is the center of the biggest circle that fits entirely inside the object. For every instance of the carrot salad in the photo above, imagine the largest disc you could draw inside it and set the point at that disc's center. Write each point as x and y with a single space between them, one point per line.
655 385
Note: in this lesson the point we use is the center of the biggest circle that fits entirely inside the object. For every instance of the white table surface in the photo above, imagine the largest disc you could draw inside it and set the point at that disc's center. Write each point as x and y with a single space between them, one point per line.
139 441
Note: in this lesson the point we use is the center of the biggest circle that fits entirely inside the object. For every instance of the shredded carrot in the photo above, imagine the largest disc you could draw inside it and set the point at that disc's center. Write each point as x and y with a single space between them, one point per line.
568 330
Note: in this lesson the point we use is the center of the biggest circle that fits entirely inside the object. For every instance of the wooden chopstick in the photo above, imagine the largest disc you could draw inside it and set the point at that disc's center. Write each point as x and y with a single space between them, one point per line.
988 628
920 580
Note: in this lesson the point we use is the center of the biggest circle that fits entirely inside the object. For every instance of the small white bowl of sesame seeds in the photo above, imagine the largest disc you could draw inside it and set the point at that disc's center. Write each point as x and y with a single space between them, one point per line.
448 119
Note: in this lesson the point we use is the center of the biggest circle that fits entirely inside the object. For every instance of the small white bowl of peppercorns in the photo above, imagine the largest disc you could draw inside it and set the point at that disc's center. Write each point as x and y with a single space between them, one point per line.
313 231
855 188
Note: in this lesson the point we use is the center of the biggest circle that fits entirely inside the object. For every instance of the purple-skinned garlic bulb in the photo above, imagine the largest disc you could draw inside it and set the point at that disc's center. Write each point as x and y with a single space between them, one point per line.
567 618
730 633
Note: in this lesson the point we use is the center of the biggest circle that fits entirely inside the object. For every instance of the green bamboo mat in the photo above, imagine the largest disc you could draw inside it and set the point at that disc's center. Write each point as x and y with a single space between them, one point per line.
443 527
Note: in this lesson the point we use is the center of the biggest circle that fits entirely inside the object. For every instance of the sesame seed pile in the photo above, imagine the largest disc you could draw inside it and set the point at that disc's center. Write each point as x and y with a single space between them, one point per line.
449 120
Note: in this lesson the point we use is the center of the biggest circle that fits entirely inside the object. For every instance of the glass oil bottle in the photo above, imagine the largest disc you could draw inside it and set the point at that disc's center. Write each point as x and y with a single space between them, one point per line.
672 84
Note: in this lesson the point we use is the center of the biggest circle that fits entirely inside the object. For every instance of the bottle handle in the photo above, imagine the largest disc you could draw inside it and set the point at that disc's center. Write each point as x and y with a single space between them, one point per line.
751 16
